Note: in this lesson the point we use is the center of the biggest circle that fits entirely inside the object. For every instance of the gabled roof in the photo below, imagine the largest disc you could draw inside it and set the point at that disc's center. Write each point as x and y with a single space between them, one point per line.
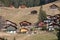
14 24
25 23
53 6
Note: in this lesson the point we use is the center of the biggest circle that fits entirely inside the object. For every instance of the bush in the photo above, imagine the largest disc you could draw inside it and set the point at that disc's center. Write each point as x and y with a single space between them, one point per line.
3 38
58 35
44 28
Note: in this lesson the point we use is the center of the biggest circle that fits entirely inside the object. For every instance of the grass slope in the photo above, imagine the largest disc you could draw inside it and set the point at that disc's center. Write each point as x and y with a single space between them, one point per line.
43 36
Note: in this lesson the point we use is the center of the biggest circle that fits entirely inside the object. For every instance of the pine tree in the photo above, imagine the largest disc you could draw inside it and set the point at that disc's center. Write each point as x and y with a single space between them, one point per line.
6 2
36 2
29 3
15 3
42 15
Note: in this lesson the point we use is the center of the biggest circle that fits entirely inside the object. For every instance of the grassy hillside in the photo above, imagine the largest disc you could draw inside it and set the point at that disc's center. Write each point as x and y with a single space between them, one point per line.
22 14
43 36
18 15
40 36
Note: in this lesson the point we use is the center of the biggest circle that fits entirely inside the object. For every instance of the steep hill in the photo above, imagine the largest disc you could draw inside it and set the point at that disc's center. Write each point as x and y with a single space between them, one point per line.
23 14
18 15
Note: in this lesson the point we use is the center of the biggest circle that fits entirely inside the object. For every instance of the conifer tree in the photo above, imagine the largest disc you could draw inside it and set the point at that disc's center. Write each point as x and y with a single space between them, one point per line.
6 2
29 3
42 15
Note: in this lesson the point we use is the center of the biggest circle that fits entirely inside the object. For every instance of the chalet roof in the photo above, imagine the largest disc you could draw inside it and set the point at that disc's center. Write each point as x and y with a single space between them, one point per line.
12 23
53 6
25 23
